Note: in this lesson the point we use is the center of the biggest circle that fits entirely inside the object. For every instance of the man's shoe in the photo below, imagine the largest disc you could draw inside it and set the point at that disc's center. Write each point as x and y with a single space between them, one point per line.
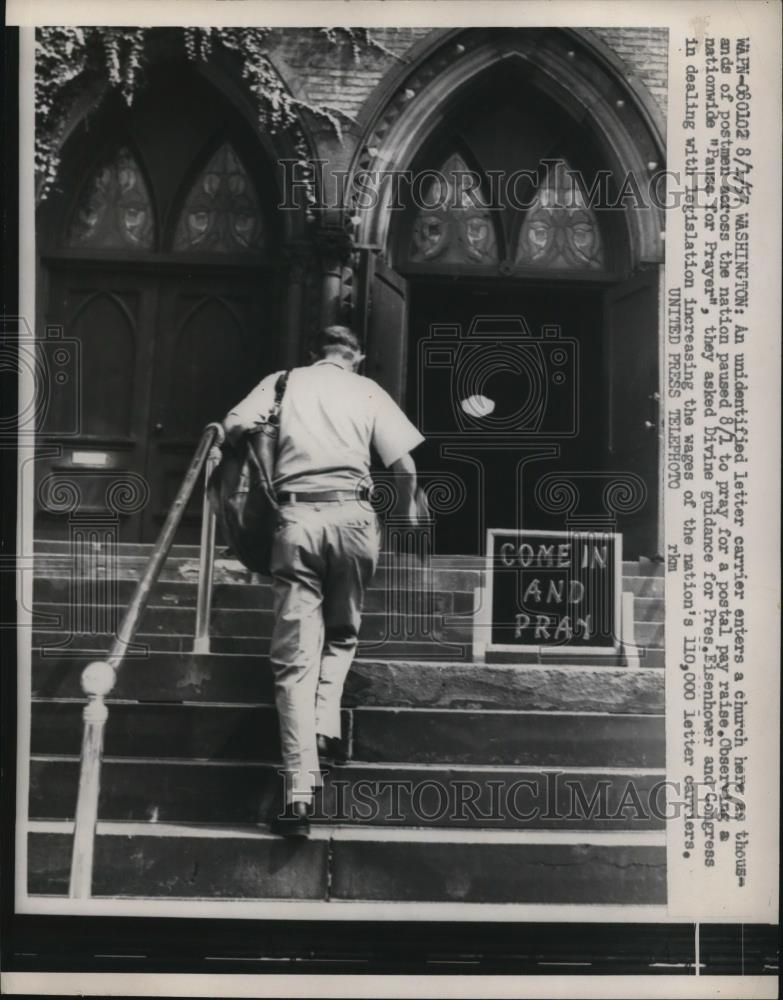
294 821
330 749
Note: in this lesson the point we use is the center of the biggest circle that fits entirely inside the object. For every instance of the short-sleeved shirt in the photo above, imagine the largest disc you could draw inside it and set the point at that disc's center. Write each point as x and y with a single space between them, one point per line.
329 420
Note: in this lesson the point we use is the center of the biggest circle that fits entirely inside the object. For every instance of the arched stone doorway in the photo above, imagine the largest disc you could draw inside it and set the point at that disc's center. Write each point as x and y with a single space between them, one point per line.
160 260
537 297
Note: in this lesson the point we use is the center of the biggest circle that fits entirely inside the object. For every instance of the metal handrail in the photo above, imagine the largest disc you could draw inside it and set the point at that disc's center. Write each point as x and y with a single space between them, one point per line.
99 678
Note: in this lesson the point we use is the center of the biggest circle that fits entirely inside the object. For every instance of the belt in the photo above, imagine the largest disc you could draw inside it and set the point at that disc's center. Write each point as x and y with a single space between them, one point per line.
325 497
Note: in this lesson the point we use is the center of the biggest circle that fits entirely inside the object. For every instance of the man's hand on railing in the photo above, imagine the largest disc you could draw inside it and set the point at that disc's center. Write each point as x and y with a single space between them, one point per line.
232 429
215 454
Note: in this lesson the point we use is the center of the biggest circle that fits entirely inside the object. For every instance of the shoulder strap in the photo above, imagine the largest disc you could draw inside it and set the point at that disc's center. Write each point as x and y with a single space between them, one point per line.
280 386
282 382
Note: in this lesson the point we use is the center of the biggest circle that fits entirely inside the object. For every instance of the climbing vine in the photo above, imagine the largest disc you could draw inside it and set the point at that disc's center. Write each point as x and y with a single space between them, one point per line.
72 60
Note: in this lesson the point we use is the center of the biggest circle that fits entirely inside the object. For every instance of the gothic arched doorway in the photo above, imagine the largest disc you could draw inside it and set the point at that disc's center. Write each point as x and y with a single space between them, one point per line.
514 310
160 266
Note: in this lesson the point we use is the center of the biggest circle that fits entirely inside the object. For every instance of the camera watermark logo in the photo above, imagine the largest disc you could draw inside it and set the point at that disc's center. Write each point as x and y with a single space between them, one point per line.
49 370
462 365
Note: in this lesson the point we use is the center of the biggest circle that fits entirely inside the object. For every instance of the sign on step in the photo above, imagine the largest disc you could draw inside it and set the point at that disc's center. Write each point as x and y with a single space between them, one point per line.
558 591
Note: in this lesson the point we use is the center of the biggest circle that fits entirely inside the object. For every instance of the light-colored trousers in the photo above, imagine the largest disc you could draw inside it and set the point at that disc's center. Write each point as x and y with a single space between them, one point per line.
323 557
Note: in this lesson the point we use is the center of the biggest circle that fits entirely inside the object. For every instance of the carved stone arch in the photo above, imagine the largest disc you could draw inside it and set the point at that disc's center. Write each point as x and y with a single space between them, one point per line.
392 84
572 68
645 103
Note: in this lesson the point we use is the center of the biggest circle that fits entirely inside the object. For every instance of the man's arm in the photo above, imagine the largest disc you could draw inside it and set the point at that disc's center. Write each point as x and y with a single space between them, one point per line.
404 469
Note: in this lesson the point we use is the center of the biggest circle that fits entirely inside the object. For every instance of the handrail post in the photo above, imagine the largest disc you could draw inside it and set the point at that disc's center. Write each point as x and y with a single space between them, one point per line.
206 564
99 677
97 681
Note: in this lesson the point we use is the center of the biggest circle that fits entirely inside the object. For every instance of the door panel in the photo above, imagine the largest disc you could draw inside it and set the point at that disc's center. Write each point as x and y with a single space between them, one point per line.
631 331
205 372
92 423
169 333
542 374
213 345
155 358
385 325
106 329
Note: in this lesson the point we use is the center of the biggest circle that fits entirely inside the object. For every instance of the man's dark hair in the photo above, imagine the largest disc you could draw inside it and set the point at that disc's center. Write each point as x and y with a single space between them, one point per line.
337 340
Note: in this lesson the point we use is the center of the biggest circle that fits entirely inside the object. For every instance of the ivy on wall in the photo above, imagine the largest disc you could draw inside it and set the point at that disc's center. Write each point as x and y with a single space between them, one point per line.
72 61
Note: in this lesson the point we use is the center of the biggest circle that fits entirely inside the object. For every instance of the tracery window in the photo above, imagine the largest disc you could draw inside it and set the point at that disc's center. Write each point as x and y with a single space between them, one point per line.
559 229
221 213
114 210
453 223
550 227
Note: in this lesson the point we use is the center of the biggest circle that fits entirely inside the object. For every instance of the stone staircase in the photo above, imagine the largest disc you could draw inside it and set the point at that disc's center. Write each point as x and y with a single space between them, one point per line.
465 782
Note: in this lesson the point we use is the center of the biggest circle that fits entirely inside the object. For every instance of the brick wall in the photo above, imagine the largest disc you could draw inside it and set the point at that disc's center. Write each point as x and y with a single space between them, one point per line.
645 52
321 72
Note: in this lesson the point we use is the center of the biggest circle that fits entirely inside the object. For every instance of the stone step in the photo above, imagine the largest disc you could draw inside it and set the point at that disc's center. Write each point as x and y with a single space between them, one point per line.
143 550
89 647
250 864
57 643
457 736
228 622
348 865
649 609
84 592
194 677
644 567
117 594
494 870
56 579
449 792
66 547
384 796
146 642
184 561
92 556
377 628
546 655
425 736
229 571
644 586
652 658
649 634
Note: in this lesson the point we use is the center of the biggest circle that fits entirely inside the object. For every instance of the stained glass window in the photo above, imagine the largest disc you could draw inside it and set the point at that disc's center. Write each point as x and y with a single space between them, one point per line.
221 213
114 209
453 224
560 230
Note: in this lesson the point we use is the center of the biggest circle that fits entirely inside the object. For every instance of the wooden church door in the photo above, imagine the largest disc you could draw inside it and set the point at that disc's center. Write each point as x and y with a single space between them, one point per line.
162 282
